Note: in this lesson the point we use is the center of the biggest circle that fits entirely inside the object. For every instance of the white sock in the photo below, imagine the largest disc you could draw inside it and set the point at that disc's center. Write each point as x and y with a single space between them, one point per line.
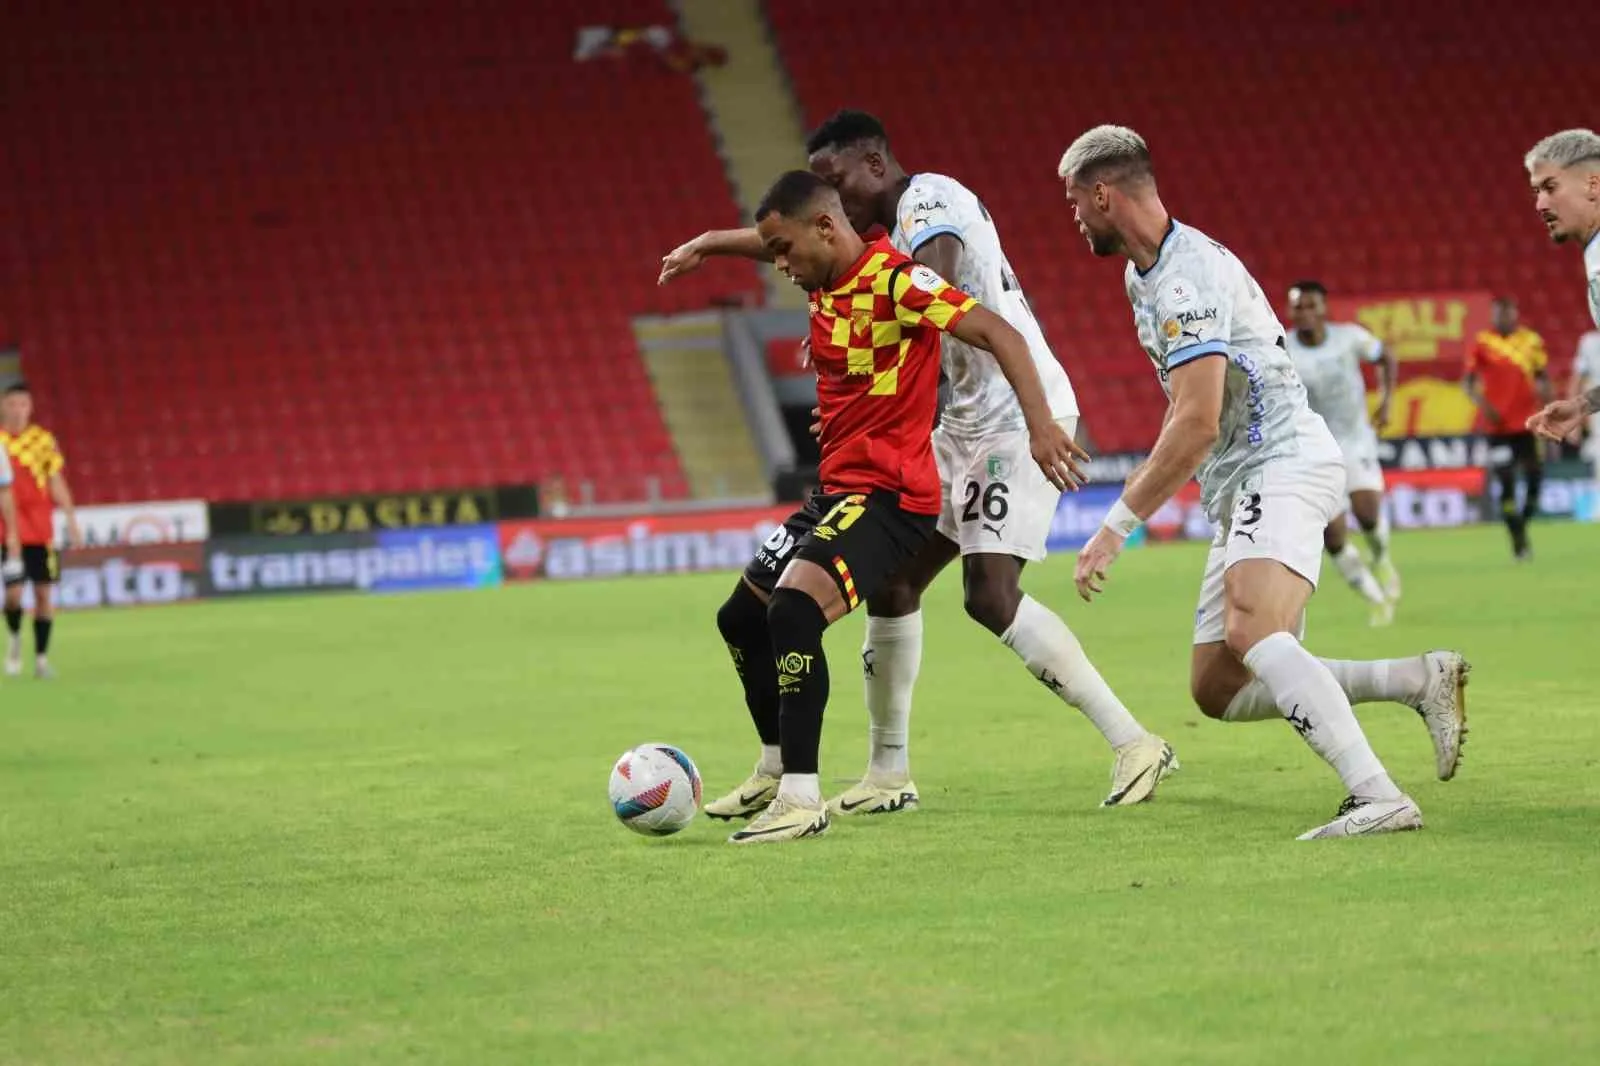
1378 537
1253 703
1054 656
802 789
771 762
890 659
1381 680
1308 695
1364 681
1357 575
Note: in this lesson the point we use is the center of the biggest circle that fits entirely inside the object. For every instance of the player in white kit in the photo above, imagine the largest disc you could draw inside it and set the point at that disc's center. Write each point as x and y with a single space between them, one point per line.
1564 170
1271 477
997 506
1329 356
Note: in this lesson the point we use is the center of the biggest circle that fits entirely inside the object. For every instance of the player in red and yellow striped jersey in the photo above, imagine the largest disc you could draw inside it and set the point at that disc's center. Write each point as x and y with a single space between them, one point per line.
1507 378
876 323
39 485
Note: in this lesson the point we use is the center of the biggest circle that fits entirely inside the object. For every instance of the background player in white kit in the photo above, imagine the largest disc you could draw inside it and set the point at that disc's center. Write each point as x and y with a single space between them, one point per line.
997 506
1271 476
1564 170
1328 356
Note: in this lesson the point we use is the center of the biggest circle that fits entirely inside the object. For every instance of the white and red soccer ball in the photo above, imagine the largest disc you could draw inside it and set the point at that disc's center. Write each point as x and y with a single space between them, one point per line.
655 789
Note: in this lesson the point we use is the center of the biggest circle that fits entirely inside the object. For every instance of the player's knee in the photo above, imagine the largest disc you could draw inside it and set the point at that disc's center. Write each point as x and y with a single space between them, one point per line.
1243 629
1206 695
896 599
794 619
741 617
992 604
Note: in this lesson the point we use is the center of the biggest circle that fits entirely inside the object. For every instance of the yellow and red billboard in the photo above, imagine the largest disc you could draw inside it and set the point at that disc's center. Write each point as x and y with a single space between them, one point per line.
1429 333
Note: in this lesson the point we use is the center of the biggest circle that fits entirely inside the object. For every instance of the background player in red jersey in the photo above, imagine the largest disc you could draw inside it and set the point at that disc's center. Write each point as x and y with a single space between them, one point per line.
36 462
1506 377
876 319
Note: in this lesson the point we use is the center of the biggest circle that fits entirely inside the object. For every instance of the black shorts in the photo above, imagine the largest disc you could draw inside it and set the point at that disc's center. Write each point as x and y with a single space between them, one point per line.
861 540
40 564
1514 449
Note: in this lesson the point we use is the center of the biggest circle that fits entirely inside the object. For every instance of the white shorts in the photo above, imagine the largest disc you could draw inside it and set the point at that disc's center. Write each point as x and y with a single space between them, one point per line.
1362 473
996 499
1279 513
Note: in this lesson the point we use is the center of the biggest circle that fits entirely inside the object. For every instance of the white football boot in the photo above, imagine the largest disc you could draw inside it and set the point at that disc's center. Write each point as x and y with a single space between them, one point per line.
784 819
1140 767
869 796
1358 817
1443 708
748 800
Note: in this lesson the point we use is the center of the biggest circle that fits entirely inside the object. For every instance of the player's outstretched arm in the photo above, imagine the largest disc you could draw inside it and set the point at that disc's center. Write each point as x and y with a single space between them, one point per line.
1191 428
1189 433
1057 454
687 257
1563 420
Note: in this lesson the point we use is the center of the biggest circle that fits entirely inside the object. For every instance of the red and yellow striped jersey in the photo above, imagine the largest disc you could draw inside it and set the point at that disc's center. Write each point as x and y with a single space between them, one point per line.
875 340
1506 369
35 459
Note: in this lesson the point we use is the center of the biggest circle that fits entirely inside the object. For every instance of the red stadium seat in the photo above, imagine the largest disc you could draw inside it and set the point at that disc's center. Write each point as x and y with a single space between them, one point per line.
1360 141
421 228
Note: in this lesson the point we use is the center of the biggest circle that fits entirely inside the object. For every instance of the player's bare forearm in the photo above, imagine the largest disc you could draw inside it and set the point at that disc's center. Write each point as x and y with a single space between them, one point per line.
1178 453
739 242
61 493
982 328
1190 431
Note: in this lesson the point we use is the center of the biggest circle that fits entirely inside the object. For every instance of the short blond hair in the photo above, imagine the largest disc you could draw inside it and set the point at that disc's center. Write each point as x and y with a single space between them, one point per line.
1106 153
1565 149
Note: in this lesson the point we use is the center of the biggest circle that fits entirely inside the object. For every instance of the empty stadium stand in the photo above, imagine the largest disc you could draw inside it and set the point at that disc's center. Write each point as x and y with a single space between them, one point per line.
1374 144
265 249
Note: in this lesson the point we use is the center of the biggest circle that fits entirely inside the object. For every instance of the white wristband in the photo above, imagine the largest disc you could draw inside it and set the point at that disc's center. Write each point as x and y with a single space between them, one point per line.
1121 520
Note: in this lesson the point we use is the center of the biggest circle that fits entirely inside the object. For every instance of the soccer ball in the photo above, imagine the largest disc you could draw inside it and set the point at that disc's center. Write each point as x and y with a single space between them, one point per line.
655 790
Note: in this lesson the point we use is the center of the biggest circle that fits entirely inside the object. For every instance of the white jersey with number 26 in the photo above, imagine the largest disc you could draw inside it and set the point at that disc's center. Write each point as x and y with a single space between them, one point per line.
981 401
1196 301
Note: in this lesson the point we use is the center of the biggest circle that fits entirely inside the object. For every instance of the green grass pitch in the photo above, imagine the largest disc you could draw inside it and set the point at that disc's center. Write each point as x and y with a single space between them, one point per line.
375 830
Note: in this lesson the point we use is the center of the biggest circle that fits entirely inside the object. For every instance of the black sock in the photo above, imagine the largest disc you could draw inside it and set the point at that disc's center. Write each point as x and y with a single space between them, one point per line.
797 624
41 634
14 620
1530 504
742 621
1509 514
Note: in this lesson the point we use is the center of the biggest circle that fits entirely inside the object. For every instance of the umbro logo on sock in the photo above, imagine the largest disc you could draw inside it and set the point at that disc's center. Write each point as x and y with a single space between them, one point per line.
1301 723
